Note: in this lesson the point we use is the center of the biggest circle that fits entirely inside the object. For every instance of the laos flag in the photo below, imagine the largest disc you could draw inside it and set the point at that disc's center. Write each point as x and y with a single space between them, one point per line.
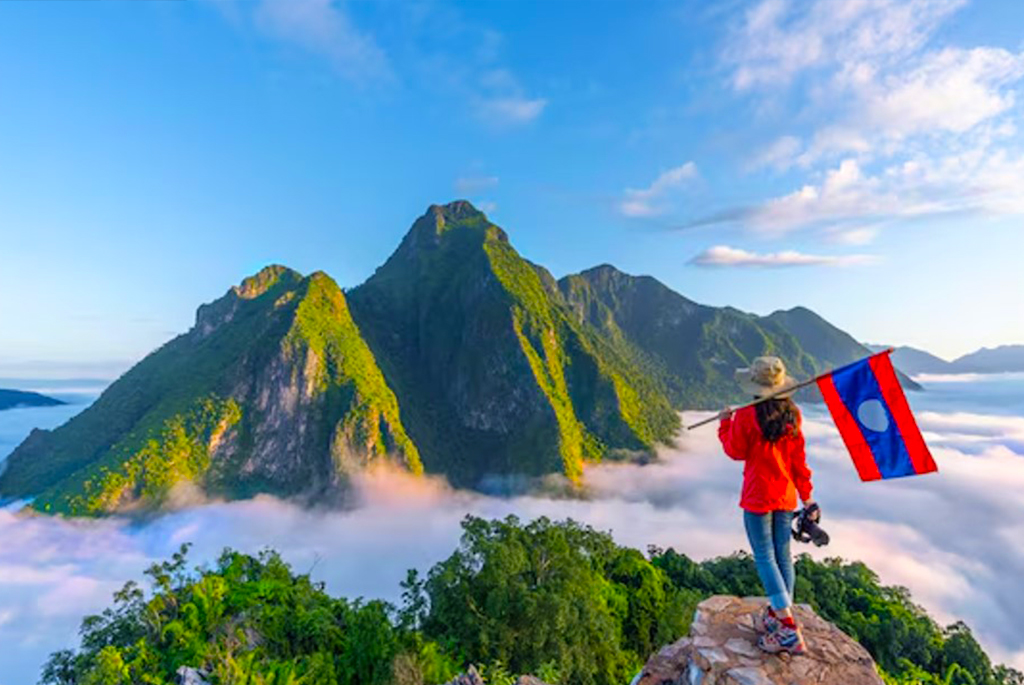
872 415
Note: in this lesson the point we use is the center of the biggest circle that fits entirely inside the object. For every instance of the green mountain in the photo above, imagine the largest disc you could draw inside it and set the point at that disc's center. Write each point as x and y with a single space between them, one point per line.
693 349
273 390
12 399
457 357
496 379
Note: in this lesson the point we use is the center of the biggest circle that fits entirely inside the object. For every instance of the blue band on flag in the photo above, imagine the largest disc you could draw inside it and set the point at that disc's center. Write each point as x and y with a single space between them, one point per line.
858 388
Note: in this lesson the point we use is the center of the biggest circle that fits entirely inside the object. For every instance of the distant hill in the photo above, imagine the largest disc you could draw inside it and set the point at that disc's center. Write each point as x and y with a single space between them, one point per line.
1002 359
694 349
914 361
457 357
11 399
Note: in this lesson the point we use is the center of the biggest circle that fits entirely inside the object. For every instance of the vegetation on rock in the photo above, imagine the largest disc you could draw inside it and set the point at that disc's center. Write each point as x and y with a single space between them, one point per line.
273 390
693 349
556 599
496 379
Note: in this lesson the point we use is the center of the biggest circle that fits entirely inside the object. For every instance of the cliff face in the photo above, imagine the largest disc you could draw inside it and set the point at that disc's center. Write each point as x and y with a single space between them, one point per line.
273 390
722 650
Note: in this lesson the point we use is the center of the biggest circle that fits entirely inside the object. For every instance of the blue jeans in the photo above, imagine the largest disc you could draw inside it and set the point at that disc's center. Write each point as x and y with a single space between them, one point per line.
769 536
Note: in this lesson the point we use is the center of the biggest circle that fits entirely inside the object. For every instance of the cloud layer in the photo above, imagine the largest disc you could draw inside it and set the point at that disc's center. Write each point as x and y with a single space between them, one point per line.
965 563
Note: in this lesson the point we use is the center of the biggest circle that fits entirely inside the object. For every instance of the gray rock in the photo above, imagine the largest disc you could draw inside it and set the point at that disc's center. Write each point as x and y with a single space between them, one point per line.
191 676
529 680
722 650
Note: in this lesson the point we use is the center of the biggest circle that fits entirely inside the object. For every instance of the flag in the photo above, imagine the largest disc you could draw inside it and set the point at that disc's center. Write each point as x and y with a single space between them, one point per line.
871 413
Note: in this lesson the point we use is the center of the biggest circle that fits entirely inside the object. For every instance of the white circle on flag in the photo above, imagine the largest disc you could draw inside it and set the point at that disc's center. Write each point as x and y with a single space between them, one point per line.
871 414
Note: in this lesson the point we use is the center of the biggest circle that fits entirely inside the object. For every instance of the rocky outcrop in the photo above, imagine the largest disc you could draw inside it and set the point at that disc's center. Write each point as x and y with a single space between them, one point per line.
192 676
472 677
722 650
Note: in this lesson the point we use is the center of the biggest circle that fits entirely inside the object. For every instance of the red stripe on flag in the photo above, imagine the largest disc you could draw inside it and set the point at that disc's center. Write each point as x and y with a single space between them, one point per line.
889 382
849 429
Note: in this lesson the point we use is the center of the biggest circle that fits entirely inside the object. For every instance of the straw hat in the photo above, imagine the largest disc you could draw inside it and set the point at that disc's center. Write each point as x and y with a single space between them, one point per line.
765 376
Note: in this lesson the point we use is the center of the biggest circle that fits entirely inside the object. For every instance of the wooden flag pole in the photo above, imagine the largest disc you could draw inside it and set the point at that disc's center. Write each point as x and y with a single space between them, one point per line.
782 391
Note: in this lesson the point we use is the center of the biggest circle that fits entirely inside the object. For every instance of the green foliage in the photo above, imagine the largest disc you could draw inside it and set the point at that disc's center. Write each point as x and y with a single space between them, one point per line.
555 595
181 452
558 600
246 620
459 321
323 327
691 350
152 427
907 645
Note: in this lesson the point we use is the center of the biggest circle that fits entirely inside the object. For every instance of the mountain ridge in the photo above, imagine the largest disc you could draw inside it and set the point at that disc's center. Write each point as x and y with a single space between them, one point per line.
458 357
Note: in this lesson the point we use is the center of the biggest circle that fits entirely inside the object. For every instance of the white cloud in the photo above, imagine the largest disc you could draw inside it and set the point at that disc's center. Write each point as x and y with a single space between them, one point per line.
323 27
900 125
724 256
952 90
855 235
468 185
499 99
984 179
509 110
779 155
52 571
650 201
779 40
844 192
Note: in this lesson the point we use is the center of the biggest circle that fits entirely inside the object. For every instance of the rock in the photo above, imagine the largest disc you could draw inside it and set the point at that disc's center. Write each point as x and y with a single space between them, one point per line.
191 676
529 680
470 677
722 650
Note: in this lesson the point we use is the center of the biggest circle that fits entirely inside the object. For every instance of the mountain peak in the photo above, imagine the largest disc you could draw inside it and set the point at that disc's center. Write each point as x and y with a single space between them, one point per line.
455 212
440 220
603 270
266 278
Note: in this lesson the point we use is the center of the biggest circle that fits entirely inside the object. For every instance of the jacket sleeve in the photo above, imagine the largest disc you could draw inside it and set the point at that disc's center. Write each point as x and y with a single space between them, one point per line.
734 442
798 464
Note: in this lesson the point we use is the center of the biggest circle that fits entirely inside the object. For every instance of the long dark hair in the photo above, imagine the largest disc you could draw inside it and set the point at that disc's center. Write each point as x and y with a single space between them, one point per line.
777 418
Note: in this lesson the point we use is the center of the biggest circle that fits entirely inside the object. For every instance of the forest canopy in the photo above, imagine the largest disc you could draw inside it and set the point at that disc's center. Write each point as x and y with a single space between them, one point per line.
559 600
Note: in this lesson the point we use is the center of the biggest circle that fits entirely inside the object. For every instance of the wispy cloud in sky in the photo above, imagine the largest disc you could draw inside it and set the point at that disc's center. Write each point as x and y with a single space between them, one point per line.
474 184
501 101
325 28
906 126
654 199
725 256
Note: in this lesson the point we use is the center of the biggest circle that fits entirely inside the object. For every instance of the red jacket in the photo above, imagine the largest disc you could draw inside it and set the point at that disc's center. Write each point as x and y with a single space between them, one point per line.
773 473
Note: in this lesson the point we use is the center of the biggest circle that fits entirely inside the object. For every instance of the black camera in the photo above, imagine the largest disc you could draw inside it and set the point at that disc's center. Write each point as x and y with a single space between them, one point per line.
806 528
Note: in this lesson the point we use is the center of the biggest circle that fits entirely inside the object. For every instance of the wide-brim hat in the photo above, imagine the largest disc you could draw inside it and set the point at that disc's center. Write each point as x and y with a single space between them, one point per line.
766 376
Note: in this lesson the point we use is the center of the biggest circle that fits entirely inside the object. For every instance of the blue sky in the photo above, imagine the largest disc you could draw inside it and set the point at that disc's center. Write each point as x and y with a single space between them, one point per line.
860 158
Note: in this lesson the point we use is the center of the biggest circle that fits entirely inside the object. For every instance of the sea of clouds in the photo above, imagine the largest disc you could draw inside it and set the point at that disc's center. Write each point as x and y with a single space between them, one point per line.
956 538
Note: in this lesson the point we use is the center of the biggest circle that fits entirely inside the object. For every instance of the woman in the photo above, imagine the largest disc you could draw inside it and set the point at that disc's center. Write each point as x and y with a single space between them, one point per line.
768 439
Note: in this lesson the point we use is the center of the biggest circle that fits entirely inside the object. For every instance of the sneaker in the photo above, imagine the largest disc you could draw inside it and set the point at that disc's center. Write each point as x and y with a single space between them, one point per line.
784 639
766 621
